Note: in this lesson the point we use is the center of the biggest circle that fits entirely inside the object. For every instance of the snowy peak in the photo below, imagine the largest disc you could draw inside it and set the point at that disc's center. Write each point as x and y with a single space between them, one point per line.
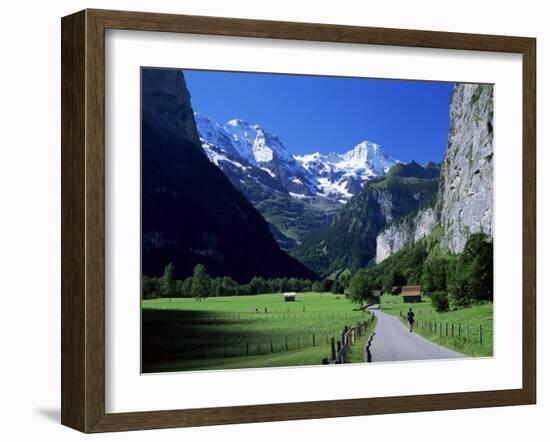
370 155
362 152
343 175
247 146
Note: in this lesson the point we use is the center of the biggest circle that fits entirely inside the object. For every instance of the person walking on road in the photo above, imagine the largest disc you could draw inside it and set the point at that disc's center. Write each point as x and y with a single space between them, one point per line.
410 319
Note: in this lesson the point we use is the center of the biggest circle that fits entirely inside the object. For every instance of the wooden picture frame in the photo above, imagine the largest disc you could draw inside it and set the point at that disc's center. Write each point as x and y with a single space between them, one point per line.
83 220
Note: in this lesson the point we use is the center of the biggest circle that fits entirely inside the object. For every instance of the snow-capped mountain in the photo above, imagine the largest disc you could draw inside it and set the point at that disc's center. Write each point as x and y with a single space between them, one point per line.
254 153
343 175
252 149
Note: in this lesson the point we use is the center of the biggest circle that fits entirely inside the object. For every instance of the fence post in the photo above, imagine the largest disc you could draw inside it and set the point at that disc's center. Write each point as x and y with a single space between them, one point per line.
480 334
452 330
286 343
446 329
459 330
333 348
247 348
259 349
271 345
314 339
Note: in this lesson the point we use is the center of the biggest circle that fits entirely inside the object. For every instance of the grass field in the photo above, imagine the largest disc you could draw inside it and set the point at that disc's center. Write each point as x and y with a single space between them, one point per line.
456 329
242 331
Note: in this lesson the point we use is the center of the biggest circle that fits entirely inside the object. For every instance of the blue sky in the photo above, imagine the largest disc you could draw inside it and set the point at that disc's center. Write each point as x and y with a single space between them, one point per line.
409 119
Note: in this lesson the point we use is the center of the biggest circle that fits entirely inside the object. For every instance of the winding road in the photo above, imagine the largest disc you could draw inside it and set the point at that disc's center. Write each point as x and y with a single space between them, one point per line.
392 341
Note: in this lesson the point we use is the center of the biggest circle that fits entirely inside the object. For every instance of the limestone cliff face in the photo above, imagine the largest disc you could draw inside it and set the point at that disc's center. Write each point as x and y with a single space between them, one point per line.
465 203
465 196
406 232
349 242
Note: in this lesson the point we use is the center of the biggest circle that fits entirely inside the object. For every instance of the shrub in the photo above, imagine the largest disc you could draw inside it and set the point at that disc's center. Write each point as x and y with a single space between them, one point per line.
440 301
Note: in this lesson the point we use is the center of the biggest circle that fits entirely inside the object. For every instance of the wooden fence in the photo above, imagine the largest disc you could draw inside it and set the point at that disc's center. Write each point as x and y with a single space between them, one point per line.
340 348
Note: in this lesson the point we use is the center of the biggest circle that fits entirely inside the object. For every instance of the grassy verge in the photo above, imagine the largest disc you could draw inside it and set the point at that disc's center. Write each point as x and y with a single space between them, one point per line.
242 331
357 351
467 330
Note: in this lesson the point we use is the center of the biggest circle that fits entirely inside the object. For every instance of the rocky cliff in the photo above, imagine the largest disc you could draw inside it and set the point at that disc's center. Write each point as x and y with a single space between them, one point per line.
465 203
406 232
465 195
190 211
350 241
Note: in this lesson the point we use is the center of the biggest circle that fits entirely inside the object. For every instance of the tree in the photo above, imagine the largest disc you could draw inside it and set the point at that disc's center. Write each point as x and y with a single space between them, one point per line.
440 301
149 287
471 278
186 291
168 282
216 287
361 287
316 287
344 278
257 285
228 286
200 286
459 285
325 285
434 274
337 287
393 278
478 256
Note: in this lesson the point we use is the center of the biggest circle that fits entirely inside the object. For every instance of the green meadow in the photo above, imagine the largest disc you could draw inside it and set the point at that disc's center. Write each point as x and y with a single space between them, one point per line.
244 331
467 330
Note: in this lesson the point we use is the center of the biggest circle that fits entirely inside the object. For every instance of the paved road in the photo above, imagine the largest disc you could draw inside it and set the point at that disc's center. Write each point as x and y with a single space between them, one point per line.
392 341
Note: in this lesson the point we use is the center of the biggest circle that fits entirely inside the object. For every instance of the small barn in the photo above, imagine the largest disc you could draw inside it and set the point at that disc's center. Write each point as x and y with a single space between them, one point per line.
289 297
411 293
376 294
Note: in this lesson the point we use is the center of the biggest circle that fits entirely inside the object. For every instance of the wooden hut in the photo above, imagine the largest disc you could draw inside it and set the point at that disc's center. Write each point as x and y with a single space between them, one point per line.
411 293
289 297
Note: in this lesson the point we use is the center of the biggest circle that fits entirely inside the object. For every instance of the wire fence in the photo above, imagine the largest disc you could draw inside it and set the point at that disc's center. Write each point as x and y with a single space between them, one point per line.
337 343
262 315
475 333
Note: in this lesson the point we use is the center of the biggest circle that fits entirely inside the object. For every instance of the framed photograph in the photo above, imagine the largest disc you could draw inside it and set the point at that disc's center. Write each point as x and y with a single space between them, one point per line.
267 221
